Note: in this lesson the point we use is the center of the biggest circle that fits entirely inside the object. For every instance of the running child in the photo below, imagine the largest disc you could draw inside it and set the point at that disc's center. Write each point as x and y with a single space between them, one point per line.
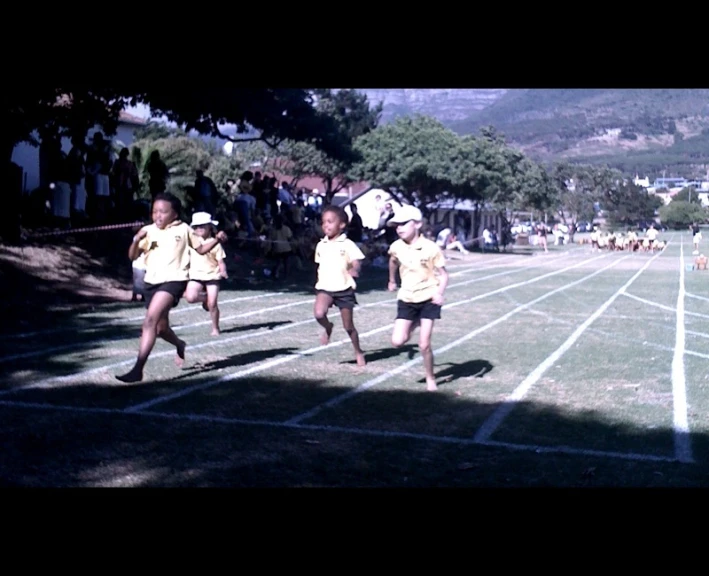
206 270
167 261
421 266
339 261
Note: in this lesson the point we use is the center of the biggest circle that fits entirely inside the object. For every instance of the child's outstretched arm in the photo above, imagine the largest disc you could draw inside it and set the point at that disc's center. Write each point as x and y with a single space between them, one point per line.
393 266
442 284
209 244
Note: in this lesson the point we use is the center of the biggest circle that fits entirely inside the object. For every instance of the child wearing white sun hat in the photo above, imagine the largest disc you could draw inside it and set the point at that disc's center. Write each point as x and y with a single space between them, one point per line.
206 270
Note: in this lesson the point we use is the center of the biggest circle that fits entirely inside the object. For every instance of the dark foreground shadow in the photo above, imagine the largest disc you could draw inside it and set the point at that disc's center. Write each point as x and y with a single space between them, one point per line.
230 434
469 369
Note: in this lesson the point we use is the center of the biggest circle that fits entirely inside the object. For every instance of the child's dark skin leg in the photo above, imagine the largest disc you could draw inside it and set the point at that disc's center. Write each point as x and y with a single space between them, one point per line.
155 324
322 305
348 324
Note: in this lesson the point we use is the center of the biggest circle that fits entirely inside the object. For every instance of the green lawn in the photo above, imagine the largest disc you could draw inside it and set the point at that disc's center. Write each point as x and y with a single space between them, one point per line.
560 369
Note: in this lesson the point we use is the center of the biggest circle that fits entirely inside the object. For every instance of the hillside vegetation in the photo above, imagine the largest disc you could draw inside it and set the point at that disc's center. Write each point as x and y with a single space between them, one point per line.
644 130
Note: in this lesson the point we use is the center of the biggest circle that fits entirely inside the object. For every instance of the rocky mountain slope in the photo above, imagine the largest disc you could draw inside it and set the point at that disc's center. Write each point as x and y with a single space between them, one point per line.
448 105
636 130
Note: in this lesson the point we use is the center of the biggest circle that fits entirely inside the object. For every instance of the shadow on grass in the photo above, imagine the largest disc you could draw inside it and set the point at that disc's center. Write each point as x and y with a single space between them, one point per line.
258 326
243 359
383 353
379 438
67 353
469 369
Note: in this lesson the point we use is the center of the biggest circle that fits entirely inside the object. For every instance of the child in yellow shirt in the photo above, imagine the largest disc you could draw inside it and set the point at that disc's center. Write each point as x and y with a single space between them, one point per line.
165 243
206 270
339 261
421 266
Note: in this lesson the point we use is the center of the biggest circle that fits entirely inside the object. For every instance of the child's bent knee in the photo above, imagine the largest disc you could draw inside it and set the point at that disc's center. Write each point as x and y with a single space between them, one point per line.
398 341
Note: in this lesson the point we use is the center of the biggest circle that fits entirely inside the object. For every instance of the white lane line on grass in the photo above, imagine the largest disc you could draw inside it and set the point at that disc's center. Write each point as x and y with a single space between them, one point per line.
46 383
489 427
341 430
683 446
697 297
700 334
44 350
297 355
216 343
663 307
403 367
119 321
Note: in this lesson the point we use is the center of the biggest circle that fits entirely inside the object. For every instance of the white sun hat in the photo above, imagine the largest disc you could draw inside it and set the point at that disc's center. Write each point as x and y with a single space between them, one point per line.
202 218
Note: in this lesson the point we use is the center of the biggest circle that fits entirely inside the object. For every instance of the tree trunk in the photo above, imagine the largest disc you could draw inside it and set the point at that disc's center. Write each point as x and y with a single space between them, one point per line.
476 226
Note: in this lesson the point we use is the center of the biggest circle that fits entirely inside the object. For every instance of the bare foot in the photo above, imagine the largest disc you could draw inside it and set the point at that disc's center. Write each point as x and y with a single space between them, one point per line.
360 359
180 358
431 385
130 377
215 332
325 336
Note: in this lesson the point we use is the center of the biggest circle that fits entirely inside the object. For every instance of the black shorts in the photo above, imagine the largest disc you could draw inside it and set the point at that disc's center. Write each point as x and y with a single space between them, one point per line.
417 311
206 283
344 299
175 289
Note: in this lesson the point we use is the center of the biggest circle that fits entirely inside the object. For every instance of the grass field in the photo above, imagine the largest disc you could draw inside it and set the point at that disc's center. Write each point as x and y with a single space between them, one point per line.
561 369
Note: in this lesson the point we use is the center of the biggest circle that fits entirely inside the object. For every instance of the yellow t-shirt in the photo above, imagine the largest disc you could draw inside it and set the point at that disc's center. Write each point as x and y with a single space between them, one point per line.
417 264
167 257
335 258
206 266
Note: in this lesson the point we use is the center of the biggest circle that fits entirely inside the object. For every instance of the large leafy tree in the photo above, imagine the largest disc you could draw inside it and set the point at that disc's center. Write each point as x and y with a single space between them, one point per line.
578 189
355 118
413 156
679 214
267 115
627 203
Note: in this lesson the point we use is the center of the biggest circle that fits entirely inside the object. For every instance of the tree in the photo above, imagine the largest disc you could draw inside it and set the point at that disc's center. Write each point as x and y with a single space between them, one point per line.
355 118
687 194
628 204
679 214
413 156
268 115
64 111
579 188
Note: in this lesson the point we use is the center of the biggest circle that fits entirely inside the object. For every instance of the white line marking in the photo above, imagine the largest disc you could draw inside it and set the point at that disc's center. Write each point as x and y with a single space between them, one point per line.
175 328
663 307
578 452
669 349
247 371
46 382
403 367
297 355
697 297
493 422
700 334
345 430
683 447
43 350
125 320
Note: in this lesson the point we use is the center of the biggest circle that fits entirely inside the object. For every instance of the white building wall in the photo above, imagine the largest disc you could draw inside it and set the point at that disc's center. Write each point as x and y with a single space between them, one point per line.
27 156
